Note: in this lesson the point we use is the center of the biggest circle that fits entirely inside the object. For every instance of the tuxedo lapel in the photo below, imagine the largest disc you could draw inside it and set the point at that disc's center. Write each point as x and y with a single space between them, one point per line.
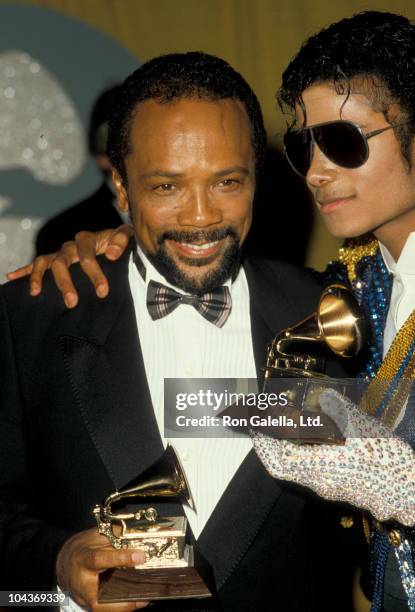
270 312
238 517
262 335
105 366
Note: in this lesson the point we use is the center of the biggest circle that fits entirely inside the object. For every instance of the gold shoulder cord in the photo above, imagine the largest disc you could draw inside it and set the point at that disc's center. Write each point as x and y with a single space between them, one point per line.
350 255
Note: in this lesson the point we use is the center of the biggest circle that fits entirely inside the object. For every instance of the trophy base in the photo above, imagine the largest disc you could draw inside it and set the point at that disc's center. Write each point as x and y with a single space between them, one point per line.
129 584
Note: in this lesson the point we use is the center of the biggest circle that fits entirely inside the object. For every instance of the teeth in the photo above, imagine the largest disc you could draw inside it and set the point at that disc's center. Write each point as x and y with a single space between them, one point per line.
199 247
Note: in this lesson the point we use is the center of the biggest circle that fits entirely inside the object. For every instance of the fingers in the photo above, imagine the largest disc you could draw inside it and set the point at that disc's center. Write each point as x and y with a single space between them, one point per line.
99 559
85 248
80 562
36 270
336 407
111 242
119 241
59 263
88 245
20 272
64 282
39 267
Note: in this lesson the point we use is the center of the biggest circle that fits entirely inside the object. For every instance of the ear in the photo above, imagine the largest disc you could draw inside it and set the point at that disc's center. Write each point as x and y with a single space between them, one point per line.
122 197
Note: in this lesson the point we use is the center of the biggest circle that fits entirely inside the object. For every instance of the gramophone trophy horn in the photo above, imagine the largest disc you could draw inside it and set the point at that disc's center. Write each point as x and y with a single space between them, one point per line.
338 324
165 478
297 353
168 572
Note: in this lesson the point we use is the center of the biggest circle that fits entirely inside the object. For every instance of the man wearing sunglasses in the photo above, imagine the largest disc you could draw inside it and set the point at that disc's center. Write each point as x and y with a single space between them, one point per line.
350 95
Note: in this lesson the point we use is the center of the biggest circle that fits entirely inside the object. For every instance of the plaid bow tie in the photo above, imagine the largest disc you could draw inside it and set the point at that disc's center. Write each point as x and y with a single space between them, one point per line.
215 306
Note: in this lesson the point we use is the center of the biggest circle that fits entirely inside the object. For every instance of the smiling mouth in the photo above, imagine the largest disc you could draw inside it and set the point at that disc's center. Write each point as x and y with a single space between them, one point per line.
196 249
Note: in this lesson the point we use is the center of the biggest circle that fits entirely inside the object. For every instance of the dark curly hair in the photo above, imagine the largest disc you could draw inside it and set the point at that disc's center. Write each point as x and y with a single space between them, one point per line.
181 75
374 49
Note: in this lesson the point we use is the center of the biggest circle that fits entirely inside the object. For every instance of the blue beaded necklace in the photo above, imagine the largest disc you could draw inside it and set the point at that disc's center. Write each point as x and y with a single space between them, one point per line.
372 288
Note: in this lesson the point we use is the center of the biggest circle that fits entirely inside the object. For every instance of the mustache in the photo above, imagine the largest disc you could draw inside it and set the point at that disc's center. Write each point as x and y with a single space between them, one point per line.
198 235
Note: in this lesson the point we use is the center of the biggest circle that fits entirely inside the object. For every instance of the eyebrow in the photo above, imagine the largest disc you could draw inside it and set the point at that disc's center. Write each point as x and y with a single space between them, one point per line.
233 169
165 174
160 173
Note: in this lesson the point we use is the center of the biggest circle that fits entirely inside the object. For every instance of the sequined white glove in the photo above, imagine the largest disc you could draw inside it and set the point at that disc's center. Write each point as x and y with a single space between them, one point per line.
374 469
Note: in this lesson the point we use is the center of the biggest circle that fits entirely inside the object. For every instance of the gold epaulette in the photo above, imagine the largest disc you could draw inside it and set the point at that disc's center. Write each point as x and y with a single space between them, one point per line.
354 250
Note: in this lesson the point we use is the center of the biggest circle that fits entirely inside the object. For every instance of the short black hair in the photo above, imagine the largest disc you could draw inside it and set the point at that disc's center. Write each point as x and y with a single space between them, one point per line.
175 76
375 47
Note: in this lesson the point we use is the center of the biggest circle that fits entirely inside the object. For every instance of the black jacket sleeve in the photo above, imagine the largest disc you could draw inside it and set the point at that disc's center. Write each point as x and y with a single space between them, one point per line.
28 545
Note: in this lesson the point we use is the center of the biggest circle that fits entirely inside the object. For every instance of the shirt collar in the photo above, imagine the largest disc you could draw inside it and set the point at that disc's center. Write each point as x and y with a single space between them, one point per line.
406 261
148 272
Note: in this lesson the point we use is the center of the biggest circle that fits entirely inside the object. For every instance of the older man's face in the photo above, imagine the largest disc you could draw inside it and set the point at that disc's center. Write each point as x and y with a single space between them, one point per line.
190 187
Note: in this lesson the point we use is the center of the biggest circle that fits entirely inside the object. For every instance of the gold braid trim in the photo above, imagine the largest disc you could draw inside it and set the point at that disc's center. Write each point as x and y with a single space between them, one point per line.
354 250
350 255
366 527
388 370
400 395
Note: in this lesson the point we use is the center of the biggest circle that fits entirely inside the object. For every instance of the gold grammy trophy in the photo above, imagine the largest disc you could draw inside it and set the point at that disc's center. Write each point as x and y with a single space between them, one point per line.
297 352
168 572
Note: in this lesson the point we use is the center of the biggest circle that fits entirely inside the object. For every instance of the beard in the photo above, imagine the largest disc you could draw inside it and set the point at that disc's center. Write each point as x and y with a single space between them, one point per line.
227 264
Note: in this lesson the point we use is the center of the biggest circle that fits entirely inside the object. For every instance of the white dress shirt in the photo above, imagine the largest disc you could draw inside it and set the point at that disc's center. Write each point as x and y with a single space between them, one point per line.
184 344
402 301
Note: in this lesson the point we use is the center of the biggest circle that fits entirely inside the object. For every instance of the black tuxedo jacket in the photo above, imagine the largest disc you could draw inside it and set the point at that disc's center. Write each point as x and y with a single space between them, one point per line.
77 421
96 212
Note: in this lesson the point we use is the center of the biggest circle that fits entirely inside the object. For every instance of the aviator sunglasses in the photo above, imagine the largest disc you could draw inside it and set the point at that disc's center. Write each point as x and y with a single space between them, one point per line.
342 142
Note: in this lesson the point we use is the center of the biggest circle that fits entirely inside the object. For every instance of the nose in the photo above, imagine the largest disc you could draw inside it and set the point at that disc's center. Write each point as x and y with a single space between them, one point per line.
200 210
321 170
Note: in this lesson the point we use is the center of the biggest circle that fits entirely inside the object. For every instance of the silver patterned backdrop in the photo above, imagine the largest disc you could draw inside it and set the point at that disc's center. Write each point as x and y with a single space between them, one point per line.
52 68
